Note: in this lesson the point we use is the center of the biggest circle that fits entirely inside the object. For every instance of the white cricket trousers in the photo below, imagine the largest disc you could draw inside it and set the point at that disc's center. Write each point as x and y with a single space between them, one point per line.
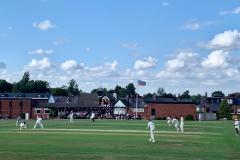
38 123
152 135
181 127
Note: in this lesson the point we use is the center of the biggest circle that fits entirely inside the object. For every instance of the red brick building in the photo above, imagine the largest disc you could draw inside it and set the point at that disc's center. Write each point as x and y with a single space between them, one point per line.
13 105
160 108
164 109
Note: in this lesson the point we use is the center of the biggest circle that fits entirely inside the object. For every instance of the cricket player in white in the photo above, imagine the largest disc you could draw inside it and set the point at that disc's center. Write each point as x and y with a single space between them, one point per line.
176 124
151 127
182 123
92 116
169 119
71 117
236 125
18 121
23 125
38 122
173 120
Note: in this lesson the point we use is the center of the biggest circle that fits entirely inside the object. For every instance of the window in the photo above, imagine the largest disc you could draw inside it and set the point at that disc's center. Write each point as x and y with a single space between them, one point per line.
238 111
37 110
47 111
232 111
230 101
153 112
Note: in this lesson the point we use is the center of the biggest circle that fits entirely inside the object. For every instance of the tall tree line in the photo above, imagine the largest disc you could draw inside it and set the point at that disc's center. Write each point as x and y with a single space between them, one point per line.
26 85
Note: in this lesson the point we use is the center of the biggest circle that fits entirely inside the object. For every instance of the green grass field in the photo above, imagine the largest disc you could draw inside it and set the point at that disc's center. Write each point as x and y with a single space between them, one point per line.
121 140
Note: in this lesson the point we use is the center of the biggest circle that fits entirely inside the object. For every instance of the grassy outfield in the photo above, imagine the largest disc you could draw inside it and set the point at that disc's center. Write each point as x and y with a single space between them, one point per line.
121 140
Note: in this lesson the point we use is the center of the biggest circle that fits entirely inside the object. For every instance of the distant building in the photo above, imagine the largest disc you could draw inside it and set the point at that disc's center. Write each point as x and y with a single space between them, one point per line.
208 107
163 107
159 108
13 105
234 104
127 106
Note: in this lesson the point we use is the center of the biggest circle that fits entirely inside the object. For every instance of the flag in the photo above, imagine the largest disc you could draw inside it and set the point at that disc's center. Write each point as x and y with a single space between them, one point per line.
141 83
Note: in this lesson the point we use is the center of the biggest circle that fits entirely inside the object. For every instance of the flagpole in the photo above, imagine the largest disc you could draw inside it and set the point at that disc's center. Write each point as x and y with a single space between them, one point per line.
136 100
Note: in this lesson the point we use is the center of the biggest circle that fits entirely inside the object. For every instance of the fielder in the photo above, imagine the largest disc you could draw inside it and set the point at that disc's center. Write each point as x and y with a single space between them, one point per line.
182 123
92 117
236 125
173 120
169 119
18 121
151 127
23 125
176 124
71 117
38 122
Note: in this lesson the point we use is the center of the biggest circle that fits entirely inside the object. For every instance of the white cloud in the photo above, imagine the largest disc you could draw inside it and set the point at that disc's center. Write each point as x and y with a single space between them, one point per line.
184 60
134 45
43 64
10 28
87 49
234 11
227 40
185 70
112 65
71 65
194 25
191 25
40 52
148 62
165 4
105 70
61 41
217 59
44 25
218 69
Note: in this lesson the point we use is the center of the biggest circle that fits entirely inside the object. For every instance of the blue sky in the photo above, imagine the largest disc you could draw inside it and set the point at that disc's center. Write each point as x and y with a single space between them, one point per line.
174 44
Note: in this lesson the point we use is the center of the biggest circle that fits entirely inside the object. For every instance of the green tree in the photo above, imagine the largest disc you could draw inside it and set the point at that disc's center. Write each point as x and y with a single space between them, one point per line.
161 92
196 98
185 95
37 86
41 86
59 91
169 95
21 85
5 86
103 90
121 92
73 88
218 94
25 85
26 77
130 90
224 110
149 96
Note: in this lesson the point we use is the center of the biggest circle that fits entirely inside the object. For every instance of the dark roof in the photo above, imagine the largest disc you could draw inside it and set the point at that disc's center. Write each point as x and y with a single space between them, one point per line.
171 101
25 95
83 100
88 100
